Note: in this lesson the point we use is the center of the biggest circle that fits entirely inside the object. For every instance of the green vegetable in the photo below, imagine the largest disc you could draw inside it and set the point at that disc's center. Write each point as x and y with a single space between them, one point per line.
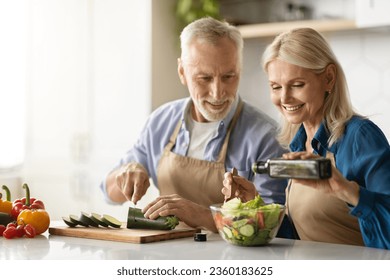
250 223
86 219
68 222
111 221
5 219
136 219
98 219
76 220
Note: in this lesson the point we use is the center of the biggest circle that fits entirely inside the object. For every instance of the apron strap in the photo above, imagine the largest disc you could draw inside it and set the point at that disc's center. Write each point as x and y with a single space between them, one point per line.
223 152
172 140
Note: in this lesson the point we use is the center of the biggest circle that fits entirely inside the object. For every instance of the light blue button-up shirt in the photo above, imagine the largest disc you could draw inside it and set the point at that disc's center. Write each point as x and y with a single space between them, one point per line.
252 139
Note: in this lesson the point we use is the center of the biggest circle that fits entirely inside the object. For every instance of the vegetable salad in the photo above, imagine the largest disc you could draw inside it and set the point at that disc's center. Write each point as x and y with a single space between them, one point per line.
250 223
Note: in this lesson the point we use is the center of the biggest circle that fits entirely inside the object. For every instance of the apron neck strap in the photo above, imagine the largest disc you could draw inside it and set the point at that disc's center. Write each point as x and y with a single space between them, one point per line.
223 152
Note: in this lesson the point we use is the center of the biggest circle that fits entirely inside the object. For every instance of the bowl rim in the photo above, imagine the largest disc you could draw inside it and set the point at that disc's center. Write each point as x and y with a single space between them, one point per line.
217 207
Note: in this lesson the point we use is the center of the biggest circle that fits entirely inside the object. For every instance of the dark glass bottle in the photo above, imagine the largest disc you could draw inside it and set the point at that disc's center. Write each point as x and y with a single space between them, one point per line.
319 168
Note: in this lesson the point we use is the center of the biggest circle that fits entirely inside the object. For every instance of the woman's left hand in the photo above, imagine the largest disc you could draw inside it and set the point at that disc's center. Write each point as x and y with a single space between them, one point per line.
337 185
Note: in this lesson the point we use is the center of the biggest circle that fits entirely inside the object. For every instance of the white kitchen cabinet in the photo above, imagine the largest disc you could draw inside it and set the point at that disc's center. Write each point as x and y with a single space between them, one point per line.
372 13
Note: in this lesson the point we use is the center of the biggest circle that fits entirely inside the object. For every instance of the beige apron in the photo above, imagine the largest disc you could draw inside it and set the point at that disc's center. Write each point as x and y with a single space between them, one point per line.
197 180
321 217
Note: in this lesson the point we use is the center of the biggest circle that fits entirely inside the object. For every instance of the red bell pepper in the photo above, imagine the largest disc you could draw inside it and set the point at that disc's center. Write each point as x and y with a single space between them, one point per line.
25 203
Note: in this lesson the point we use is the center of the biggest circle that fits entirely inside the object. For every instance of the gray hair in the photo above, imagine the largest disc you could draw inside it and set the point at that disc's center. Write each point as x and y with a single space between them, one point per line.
210 30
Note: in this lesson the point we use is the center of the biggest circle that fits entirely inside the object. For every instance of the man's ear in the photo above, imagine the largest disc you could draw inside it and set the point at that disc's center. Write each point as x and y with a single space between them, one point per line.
180 71
330 76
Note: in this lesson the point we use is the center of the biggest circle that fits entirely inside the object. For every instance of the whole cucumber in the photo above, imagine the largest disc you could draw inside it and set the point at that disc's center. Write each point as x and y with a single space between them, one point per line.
5 219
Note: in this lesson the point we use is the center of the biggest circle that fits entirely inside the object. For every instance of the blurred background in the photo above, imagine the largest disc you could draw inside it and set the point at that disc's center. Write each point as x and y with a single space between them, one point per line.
78 78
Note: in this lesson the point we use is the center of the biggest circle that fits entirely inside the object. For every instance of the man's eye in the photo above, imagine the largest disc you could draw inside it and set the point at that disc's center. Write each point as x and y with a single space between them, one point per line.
228 77
205 78
276 87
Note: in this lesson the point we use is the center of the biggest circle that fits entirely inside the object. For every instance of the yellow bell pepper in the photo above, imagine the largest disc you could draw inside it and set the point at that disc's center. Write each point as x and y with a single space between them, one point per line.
6 205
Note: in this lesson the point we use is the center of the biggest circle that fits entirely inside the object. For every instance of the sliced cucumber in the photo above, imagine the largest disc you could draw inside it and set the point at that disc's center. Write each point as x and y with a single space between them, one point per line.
247 230
239 223
68 222
86 219
76 220
227 232
111 221
97 218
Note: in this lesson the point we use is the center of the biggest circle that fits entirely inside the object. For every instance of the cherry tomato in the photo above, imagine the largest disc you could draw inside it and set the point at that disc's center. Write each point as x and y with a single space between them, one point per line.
2 229
29 231
10 232
11 225
20 231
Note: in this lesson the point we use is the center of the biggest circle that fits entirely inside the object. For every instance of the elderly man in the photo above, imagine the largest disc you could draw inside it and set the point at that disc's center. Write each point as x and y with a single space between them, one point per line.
187 145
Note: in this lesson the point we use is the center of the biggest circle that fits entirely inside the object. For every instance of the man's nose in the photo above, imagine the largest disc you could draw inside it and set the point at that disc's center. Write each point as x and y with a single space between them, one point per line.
216 89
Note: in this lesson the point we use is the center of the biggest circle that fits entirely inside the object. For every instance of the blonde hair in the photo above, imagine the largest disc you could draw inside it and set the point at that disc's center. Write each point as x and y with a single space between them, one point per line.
305 47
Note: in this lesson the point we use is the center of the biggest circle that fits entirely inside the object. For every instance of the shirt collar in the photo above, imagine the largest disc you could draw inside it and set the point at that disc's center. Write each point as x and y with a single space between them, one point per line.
319 142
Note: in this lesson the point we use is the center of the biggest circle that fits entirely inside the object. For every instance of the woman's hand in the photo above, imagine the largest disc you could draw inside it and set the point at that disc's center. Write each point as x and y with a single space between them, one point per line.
194 215
237 186
337 185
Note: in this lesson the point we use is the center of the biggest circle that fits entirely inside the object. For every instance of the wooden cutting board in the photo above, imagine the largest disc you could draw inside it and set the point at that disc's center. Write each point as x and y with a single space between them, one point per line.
124 234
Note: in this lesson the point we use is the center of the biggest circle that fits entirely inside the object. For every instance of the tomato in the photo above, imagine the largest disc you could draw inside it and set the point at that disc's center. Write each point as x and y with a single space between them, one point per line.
29 231
260 219
2 229
10 232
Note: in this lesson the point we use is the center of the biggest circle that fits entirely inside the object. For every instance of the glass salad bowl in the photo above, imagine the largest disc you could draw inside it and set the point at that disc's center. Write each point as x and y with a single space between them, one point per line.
248 224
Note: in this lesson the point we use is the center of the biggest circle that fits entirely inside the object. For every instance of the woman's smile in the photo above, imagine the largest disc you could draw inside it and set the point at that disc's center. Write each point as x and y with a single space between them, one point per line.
292 108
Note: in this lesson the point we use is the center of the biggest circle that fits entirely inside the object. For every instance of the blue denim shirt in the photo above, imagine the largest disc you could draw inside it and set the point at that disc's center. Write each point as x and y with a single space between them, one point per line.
252 139
361 155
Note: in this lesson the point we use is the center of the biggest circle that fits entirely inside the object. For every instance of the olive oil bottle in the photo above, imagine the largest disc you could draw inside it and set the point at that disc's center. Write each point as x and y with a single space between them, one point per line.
319 168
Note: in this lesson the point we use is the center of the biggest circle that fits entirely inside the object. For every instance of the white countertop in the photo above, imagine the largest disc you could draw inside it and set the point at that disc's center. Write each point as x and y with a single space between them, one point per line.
53 247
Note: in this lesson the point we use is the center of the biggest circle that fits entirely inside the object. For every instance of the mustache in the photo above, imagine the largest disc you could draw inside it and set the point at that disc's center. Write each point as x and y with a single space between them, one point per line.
217 101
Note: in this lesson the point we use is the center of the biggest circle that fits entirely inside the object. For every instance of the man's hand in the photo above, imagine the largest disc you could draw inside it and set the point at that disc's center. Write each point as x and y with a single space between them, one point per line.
130 182
194 215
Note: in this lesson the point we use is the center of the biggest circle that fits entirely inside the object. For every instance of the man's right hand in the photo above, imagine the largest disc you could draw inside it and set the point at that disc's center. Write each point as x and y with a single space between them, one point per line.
129 182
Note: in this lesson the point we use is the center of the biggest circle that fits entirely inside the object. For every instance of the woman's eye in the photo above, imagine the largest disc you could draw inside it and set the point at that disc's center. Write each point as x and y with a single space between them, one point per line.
275 87
298 85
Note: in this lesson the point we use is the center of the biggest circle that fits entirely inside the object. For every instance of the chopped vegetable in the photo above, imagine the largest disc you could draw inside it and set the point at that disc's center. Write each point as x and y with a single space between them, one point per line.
136 219
250 223
111 221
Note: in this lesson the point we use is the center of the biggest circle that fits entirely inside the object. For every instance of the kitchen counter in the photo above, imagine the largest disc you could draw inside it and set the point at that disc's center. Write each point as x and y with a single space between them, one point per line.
53 247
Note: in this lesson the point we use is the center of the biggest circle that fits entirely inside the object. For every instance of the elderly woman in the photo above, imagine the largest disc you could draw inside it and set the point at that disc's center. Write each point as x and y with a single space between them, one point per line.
309 88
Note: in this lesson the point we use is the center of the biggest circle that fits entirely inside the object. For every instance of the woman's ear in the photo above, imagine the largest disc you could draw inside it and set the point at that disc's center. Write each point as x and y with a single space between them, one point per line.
330 76
180 71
